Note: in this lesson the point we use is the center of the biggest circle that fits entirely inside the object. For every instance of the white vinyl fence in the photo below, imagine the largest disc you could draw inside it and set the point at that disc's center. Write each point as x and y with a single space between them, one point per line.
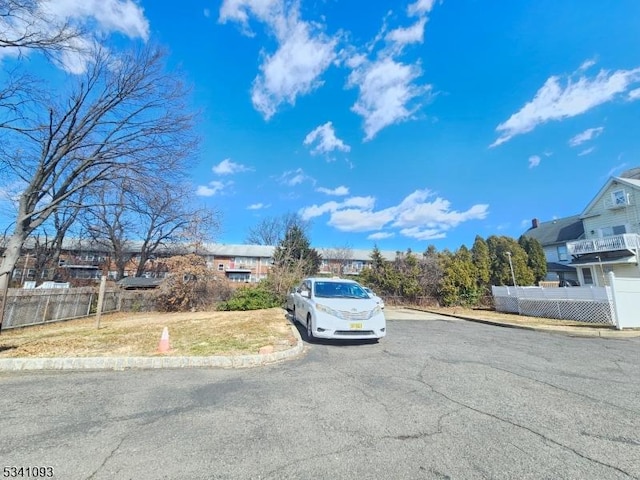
617 304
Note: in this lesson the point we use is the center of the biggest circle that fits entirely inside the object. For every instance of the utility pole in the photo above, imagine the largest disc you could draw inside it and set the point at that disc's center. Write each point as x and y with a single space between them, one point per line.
513 275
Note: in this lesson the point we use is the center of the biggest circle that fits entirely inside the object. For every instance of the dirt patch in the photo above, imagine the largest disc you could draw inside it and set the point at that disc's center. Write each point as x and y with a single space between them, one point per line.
482 314
138 334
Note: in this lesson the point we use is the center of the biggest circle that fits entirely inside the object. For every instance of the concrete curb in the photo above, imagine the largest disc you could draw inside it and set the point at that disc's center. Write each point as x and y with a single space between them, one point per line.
561 329
125 363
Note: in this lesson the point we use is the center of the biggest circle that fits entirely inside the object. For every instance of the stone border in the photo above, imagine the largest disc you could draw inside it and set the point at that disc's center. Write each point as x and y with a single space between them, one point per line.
562 329
124 363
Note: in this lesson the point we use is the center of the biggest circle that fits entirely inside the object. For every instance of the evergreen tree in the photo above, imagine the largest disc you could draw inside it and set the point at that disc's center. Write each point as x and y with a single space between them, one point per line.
536 259
431 271
295 253
482 262
500 268
459 284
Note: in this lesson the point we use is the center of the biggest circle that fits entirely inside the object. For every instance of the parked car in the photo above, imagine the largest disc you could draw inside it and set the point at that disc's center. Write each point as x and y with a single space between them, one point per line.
289 303
569 283
337 308
374 296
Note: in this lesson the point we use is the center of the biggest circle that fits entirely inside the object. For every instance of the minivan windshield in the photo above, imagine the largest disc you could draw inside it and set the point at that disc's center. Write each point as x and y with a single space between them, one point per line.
339 290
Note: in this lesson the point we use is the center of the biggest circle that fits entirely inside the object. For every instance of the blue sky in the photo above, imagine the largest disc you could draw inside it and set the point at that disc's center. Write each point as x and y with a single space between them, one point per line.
400 123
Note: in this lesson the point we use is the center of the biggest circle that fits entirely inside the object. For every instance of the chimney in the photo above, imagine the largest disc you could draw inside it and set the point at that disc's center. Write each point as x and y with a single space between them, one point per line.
535 223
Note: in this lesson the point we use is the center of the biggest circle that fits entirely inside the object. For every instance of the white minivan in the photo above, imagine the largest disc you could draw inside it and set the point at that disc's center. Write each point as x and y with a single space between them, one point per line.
337 308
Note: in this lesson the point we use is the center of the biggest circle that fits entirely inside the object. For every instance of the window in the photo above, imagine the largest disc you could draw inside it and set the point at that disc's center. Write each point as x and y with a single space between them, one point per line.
562 253
245 261
588 278
239 277
610 231
619 197
220 267
339 290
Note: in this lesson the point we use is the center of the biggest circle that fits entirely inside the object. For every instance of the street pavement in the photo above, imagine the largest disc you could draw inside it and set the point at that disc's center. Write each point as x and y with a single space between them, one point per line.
437 398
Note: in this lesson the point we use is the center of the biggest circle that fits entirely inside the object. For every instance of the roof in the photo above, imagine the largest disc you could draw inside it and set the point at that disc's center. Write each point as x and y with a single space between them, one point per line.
357 254
217 249
560 230
139 282
559 267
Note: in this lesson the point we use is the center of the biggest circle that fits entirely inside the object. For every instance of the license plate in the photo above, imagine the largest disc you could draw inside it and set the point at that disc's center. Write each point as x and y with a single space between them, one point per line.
355 326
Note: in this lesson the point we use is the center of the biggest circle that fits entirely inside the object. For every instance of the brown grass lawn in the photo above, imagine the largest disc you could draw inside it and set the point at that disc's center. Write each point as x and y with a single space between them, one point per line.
138 334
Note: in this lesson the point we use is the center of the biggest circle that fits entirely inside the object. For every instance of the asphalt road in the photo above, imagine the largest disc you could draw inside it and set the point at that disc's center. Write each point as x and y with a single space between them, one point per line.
437 398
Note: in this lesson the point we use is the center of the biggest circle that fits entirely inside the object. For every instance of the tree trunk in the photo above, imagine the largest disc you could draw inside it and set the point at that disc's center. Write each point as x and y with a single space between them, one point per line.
9 260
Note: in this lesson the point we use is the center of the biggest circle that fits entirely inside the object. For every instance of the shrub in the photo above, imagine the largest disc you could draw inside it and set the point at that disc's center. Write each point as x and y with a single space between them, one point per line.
250 298
190 285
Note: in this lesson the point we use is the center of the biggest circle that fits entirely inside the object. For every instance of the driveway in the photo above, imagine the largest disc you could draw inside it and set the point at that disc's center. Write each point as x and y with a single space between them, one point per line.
437 398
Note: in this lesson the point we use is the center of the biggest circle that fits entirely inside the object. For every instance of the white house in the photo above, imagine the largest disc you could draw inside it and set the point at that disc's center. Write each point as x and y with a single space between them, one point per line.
611 240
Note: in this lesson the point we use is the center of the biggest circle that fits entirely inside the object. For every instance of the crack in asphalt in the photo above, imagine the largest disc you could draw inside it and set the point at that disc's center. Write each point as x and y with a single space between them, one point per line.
506 370
625 440
637 412
421 435
524 427
107 458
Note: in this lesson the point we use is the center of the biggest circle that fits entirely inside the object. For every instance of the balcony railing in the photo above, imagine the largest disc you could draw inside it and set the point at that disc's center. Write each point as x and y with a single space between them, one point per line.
627 241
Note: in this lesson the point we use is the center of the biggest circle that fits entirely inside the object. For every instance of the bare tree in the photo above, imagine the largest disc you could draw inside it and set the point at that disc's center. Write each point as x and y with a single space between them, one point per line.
108 225
125 115
24 24
271 230
135 218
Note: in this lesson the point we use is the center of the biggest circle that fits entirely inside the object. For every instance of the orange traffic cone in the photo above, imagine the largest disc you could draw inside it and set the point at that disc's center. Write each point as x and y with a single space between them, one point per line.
163 346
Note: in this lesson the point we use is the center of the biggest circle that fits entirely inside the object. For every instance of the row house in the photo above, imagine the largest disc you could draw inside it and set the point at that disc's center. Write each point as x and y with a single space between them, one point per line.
88 261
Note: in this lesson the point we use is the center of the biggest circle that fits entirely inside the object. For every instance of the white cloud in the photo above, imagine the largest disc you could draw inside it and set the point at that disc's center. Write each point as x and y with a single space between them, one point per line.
381 235
416 211
257 206
534 161
585 136
420 234
325 140
295 177
586 151
213 188
227 167
419 215
388 94
389 91
420 7
406 36
338 191
564 98
303 52
634 94
587 64
359 220
103 17
122 16
313 211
